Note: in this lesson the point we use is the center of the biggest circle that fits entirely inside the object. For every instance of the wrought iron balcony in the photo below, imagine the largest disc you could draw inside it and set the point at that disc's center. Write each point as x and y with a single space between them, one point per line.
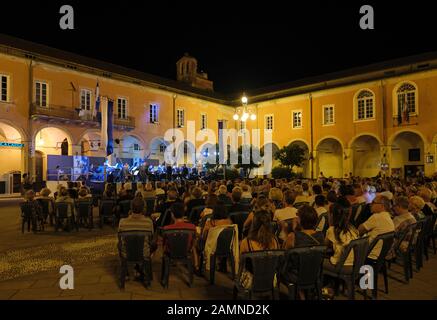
64 114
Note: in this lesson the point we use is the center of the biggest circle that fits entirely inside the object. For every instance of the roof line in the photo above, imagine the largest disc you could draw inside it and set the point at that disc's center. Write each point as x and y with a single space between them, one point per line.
354 75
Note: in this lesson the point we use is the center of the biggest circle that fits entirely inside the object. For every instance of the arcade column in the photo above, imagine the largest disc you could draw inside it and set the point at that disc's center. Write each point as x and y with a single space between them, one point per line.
348 161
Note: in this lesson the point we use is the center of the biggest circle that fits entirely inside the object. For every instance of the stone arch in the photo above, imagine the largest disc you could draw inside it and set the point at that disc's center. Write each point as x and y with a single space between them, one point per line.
408 149
329 159
12 157
366 155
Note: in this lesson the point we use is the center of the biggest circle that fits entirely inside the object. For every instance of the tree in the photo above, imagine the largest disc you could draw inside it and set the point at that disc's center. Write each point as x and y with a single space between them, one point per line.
290 156
249 162
215 161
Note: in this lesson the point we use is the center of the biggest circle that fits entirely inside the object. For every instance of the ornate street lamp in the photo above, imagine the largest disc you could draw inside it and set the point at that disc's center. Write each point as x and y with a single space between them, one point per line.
244 113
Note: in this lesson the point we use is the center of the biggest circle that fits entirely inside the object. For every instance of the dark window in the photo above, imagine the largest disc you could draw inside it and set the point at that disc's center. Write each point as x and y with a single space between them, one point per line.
414 155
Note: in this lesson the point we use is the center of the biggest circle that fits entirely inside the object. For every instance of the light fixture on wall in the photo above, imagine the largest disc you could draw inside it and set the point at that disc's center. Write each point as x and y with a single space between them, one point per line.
384 163
244 113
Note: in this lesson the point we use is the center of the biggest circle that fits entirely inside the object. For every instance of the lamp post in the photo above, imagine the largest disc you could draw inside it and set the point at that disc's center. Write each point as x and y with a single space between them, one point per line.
243 113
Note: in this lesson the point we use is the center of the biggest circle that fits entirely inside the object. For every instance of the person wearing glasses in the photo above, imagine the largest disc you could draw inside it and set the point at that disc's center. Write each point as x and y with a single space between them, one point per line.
380 222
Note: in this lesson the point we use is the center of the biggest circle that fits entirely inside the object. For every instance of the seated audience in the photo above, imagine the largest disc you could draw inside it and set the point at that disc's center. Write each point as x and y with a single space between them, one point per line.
320 206
196 200
210 203
237 206
222 194
260 235
303 232
380 222
178 222
340 233
276 197
416 206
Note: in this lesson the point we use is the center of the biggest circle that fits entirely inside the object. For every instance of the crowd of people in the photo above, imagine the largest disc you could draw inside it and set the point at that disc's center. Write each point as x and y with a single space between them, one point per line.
306 213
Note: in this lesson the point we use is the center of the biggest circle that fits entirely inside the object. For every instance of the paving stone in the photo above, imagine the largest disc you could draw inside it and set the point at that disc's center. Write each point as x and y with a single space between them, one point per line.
109 296
7 294
16 284
37 294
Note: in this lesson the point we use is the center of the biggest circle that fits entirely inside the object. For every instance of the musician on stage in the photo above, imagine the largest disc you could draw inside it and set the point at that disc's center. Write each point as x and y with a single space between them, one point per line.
184 171
169 170
144 172
125 173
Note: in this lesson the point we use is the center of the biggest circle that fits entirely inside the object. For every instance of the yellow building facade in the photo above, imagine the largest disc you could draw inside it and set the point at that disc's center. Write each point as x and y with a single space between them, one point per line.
348 122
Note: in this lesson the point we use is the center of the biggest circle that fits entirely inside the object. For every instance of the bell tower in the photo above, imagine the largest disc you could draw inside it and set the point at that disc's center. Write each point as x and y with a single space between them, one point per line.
186 71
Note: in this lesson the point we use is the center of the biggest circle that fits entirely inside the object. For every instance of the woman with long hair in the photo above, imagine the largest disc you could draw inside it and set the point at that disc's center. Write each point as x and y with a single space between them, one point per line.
340 232
261 236
262 203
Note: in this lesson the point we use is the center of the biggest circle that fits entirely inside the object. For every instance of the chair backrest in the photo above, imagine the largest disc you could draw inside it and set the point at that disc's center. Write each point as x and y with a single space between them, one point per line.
355 213
84 207
150 205
360 249
133 242
202 221
306 264
324 216
239 218
165 218
178 242
418 232
429 226
107 207
194 215
361 215
224 241
125 207
387 243
61 209
265 265
26 209
45 206
297 205
245 201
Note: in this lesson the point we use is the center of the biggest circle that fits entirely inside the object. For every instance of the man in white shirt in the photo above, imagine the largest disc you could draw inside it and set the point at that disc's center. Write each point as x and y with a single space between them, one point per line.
288 212
380 222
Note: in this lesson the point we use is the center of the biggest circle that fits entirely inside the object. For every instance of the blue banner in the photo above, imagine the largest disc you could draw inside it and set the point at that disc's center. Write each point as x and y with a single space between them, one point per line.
110 145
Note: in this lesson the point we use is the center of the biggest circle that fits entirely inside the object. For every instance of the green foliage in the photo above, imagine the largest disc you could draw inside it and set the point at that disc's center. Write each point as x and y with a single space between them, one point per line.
290 156
282 173
232 174
250 163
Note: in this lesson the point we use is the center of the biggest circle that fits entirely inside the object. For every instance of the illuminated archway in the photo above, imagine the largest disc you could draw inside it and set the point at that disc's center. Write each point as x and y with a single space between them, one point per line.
366 154
11 149
48 141
407 154
330 158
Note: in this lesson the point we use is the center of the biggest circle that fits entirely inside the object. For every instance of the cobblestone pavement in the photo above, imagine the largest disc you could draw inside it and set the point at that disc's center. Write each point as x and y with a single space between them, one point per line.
29 269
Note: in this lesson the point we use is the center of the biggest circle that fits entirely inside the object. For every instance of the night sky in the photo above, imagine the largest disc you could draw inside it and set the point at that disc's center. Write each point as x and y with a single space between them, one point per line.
241 47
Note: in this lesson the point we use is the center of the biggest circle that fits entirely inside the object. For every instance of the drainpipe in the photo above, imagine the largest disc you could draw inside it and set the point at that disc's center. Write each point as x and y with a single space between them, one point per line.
311 136
174 124
30 143
384 125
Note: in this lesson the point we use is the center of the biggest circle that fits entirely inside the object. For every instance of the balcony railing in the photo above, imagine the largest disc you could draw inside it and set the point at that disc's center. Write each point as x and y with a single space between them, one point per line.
67 114
128 122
